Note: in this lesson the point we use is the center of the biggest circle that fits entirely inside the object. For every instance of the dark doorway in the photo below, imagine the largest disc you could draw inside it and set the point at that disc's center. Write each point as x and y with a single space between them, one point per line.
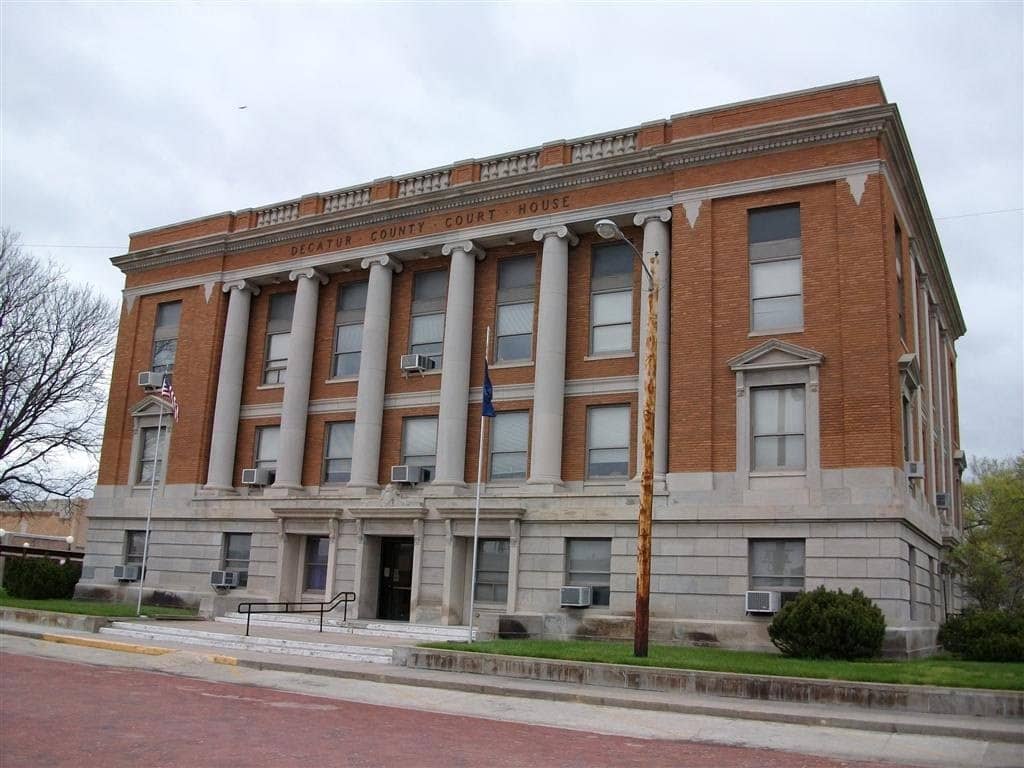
395 579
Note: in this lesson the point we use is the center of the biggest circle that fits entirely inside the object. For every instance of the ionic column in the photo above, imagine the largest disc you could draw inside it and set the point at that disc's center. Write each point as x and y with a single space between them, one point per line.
656 238
372 368
458 328
229 386
549 367
295 407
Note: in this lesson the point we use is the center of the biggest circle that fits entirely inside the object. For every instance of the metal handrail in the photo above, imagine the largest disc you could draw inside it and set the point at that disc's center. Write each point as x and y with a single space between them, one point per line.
325 606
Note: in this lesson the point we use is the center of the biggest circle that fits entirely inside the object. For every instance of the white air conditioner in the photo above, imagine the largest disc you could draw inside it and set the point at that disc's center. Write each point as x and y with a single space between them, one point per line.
151 380
405 473
256 476
914 470
942 500
229 579
416 363
763 602
127 572
577 597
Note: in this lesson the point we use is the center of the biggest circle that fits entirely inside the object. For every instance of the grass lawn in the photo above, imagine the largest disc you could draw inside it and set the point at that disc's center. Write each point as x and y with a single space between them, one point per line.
90 607
933 671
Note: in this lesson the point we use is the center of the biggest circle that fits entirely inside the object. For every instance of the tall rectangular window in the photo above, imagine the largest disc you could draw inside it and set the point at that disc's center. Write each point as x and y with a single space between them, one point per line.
236 555
348 330
279 332
492 571
314 566
426 332
611 299
588 563
778 434
908 429
776 282
901 298
913 583
338 453
516 278
152 453
607 441
777 565
165 337
510 434
134 547
419 444
267 446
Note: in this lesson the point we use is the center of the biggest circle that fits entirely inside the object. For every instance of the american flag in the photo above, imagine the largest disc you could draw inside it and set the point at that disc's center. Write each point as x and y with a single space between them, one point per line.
167 391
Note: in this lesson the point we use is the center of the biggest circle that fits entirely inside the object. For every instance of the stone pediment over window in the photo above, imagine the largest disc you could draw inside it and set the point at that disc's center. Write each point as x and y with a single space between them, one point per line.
774 354
150 405
910 371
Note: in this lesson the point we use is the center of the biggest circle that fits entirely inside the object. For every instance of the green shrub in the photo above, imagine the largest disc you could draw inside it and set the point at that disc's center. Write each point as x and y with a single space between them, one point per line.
829 625
984 635
38 578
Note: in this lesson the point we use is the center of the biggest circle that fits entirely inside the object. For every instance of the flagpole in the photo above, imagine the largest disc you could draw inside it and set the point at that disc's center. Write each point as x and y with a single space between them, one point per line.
149 512
479 482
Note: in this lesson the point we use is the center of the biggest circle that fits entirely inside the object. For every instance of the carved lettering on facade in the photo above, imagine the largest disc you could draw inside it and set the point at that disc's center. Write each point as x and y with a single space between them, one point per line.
545 205
323 245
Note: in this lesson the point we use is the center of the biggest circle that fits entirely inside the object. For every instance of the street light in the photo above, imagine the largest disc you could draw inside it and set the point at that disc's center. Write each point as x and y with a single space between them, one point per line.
609 230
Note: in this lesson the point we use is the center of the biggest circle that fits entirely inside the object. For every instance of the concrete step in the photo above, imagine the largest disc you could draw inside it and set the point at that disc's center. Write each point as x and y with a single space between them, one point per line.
186 636
423 633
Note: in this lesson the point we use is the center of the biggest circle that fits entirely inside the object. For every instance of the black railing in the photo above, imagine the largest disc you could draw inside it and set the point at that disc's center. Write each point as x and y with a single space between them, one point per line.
298 606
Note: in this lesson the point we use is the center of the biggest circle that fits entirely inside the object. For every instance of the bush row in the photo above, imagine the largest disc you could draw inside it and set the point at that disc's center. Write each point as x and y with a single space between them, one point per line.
980 635
829 625
38 578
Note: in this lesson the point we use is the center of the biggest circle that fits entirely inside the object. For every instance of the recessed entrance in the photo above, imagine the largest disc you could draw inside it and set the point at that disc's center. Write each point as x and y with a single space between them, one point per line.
395 578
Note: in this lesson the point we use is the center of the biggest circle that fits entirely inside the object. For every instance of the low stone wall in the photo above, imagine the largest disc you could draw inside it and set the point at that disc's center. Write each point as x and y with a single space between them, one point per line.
876 696
53 619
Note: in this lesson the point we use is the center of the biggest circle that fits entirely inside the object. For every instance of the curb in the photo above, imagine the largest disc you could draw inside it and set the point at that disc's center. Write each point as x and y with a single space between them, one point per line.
106 645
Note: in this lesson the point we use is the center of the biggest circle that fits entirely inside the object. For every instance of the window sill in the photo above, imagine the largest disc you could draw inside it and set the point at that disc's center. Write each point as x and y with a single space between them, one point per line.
609 483
610 356
776 331
270 386
511 364
431 372
342 380
801 473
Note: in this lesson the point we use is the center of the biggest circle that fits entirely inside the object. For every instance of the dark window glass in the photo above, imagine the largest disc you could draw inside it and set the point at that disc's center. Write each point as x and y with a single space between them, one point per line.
236 555
315 565
492 571
781 223
589 564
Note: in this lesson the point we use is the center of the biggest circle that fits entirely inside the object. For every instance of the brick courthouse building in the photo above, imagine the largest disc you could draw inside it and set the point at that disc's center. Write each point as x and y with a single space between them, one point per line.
806 409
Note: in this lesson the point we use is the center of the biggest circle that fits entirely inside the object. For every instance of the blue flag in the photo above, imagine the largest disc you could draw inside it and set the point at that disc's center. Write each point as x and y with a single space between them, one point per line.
488 407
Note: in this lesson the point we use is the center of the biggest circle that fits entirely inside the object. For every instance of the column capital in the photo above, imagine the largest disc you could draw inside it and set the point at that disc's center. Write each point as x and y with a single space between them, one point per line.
385 260
558 230
309 273
661 214
241 285
467 246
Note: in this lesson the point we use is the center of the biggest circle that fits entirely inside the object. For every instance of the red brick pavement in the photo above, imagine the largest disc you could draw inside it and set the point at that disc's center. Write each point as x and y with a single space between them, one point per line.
55 713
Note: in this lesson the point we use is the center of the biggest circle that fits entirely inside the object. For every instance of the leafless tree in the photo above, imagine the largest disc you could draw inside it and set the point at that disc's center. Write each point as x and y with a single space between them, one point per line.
56 342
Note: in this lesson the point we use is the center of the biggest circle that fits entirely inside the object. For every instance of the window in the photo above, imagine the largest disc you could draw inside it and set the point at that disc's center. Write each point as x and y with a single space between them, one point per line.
777 565
908 429
913 583
608 441
511 433
151 455
516 279
314 567
776 300
236 555
134 547
426 334
267 440
419 444
588 563
279 331
492 571
778 432
165 337
611 299
338 457
348 331
901 299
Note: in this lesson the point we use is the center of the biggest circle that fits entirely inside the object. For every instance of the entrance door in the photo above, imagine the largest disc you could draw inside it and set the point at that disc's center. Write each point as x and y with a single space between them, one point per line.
395 579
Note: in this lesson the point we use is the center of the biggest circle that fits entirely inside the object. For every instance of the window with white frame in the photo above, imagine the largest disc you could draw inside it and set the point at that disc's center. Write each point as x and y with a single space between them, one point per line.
516 278
165 337
588 563
426 331
777 565
134 547
492 571
338 452
279 332
901 297
152 452
510 435
607 441
776 282
236 555
778 433
268 441
419 444
611 299
348 330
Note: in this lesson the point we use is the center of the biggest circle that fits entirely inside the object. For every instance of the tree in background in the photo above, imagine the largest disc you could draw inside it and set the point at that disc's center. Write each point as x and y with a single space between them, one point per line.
56 342
990 560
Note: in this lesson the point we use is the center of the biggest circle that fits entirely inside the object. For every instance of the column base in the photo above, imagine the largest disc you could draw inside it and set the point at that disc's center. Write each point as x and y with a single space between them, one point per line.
546 484
282 491
446 489
364 489
218 490
660 485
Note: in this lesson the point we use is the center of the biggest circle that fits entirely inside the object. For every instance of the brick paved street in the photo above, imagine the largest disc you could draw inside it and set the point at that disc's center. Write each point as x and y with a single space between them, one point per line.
55 713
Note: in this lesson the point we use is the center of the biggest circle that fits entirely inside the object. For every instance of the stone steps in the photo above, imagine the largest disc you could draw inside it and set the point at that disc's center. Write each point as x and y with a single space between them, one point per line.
413 633
186 636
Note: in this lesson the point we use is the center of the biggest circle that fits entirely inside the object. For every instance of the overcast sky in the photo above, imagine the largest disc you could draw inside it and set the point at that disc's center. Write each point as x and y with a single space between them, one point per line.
117 117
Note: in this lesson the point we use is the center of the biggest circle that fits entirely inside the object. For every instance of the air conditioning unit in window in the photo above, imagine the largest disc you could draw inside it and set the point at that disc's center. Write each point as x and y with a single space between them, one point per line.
416 363
225 579
150 380
256 476
763 602
914 470
127 572
942 500
404 473
577 597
